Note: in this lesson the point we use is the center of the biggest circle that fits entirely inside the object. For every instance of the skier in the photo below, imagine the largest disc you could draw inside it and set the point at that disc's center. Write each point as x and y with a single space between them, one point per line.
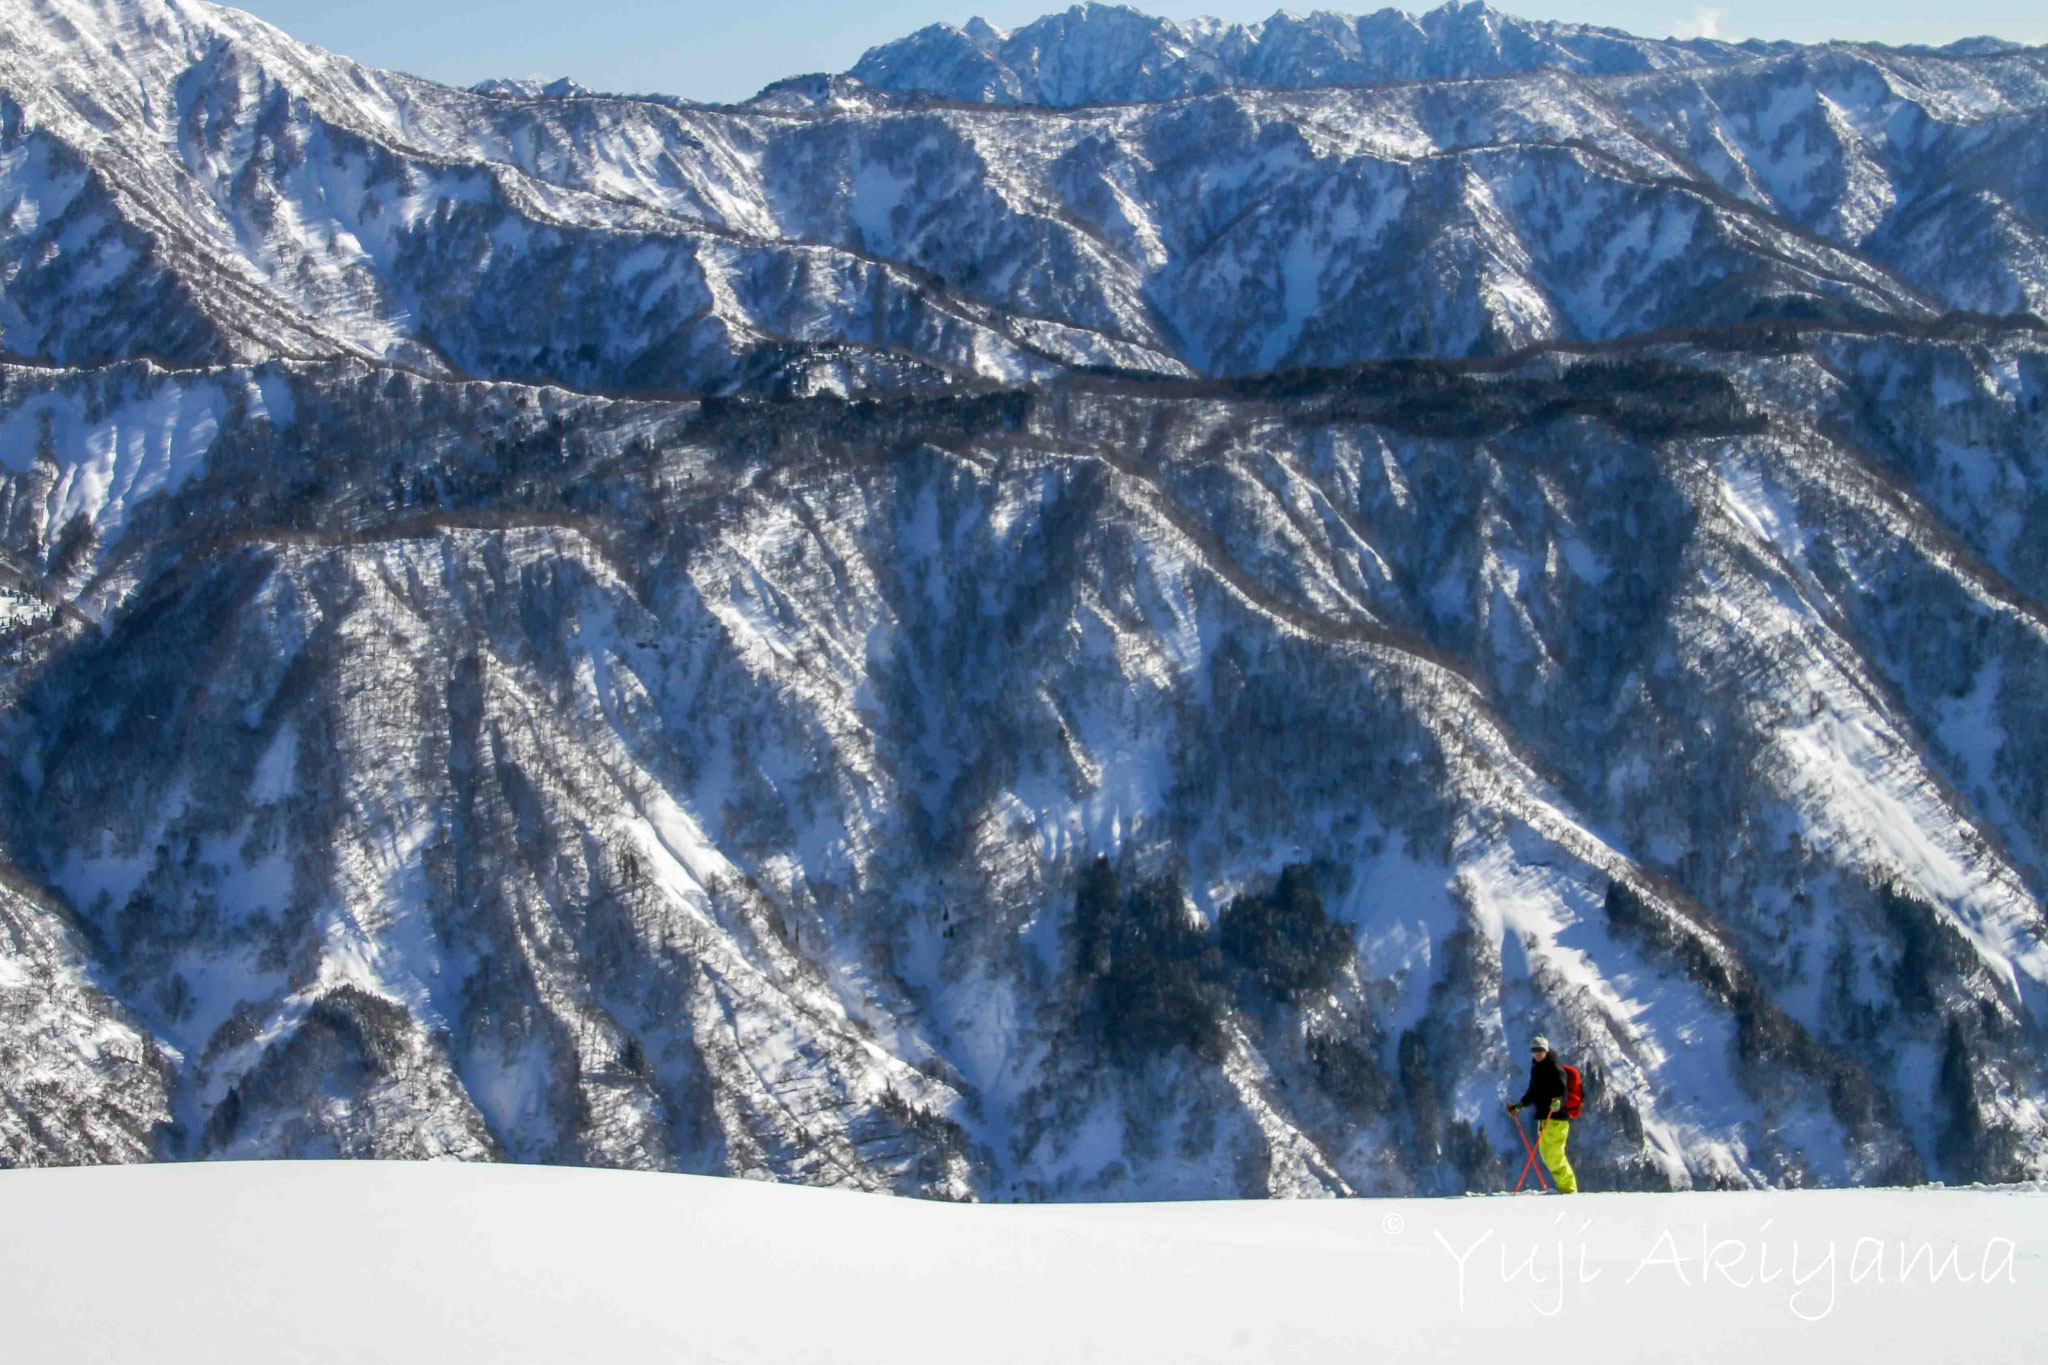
1546 1098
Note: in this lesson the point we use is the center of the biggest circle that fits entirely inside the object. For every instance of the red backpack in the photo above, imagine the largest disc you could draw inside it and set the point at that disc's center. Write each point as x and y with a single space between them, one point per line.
1574 1092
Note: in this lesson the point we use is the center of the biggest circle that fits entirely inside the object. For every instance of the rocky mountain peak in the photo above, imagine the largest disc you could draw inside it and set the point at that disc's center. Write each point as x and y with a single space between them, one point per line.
1106 53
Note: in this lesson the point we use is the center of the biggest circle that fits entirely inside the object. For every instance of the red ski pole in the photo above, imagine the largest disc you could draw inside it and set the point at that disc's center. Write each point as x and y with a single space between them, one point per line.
1530 1164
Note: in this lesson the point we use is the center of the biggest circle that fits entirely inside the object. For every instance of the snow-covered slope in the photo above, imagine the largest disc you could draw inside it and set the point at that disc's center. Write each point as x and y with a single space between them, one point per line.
80 1082
836 639
331 1262
715 786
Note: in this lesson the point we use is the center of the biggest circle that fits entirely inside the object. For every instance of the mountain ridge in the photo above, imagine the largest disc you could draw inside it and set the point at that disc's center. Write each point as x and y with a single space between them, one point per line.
932 286
1069 58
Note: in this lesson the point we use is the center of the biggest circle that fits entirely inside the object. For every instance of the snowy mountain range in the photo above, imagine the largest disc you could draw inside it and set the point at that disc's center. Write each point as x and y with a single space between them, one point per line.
1094 54
1112 611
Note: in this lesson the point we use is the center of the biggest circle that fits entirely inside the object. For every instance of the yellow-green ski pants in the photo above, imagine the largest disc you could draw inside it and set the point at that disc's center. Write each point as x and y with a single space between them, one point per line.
1550 1146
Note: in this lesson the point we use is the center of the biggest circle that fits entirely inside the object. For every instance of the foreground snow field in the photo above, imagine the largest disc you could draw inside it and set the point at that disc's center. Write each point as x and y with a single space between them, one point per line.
449 1262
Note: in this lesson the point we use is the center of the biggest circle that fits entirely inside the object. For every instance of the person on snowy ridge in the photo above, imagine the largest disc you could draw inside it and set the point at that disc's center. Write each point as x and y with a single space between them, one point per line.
1546 1098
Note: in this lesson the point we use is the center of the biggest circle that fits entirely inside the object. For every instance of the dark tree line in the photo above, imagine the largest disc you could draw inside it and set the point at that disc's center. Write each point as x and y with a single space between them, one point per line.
1152 979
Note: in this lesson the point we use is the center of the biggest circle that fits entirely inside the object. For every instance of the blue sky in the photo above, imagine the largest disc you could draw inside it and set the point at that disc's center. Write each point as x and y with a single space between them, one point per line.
727 50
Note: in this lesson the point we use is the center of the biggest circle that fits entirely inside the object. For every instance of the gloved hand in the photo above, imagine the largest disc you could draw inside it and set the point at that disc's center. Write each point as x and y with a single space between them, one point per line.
1514 1108
1556 1106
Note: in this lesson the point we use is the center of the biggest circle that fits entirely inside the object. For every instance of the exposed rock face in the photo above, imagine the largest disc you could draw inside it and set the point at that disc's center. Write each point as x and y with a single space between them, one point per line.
834 640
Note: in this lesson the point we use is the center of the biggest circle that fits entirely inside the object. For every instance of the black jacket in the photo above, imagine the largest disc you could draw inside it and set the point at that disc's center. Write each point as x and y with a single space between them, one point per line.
1546 1083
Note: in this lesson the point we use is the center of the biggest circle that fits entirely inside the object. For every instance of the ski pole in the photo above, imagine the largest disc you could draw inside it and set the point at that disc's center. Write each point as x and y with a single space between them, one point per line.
1530 1164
